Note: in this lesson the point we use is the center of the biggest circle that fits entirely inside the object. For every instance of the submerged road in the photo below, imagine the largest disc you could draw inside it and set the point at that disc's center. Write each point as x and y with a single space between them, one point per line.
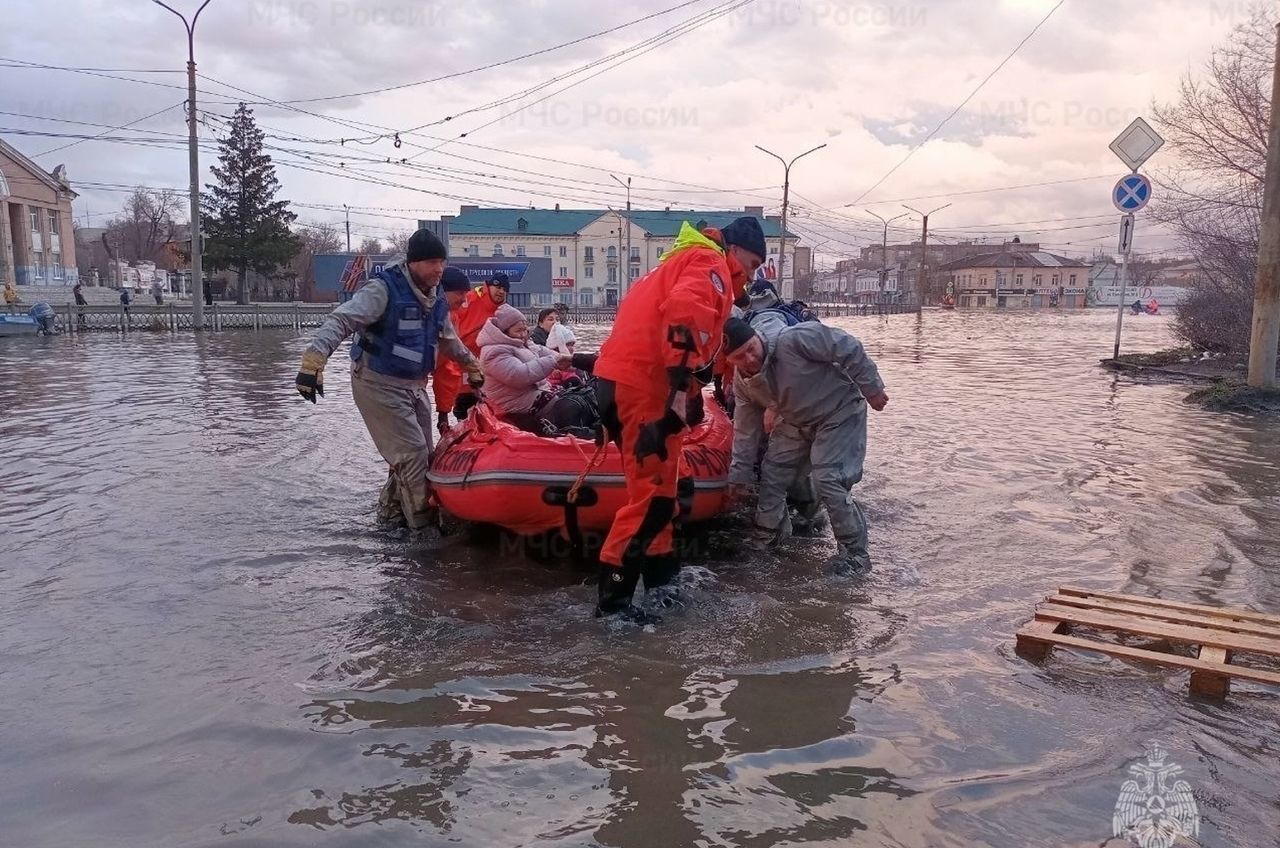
206 641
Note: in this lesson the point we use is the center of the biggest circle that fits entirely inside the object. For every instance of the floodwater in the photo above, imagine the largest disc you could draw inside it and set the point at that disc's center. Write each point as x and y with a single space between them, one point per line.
207 641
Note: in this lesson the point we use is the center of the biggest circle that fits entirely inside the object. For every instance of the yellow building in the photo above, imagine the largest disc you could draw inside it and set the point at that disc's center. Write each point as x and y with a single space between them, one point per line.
37 246
1013 278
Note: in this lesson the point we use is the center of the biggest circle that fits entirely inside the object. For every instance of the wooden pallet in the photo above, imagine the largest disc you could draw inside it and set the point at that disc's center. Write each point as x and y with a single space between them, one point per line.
1220 634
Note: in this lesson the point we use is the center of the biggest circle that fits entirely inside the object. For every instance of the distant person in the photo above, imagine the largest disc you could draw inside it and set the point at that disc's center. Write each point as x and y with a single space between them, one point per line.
208 294
1136 307
547 319
77 292
157 291
125 300
10 294
820 381
401 322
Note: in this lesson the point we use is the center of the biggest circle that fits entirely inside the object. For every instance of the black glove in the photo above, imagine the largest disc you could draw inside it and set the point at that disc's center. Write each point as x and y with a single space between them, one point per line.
442 422
679 378
695 412
706 373
653 436
585 361
463 405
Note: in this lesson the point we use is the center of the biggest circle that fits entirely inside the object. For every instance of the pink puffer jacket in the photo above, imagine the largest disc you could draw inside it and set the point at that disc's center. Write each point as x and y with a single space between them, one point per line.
515 372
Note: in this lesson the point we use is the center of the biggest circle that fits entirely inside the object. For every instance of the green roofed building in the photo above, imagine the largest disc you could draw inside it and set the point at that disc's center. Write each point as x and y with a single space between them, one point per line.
597 253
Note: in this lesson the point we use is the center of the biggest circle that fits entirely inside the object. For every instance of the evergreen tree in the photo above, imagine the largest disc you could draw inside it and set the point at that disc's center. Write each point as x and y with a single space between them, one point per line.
246 228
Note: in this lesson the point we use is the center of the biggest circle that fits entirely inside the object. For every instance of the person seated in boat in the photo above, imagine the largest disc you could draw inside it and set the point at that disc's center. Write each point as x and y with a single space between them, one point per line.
562 340
517 370
547 319
1136 307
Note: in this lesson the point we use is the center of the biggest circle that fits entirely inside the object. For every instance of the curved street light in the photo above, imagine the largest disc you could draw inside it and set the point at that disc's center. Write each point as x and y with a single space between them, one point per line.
786 189
193 156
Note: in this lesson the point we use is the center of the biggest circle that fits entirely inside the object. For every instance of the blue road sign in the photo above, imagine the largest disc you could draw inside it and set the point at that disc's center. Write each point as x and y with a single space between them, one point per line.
1131 193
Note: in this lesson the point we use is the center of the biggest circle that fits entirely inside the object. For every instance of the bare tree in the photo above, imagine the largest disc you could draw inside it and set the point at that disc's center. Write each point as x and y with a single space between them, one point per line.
1217 129
370 245
146 225
399 241
322 238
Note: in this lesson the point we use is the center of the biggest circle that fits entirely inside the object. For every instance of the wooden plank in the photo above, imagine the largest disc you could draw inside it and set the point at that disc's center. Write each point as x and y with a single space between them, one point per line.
1207 684
1029 646
1221 612
1164 614
1144 655
1173 632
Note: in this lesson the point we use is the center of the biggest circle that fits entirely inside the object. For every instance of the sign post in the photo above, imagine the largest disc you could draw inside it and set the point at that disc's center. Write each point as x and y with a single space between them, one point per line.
1133 146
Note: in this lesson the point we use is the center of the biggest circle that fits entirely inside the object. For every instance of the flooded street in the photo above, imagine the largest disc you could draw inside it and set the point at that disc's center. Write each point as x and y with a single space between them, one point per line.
208 641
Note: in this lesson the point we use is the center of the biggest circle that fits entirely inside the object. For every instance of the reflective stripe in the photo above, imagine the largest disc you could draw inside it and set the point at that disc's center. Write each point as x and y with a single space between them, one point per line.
406 353
411 325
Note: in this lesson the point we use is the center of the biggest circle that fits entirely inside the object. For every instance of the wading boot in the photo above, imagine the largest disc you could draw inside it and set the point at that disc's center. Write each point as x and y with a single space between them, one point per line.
810 519
849 562
771 537
616 586
660 589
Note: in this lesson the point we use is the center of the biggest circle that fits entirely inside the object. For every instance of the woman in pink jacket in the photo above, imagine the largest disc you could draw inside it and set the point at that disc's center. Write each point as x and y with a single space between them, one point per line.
515 368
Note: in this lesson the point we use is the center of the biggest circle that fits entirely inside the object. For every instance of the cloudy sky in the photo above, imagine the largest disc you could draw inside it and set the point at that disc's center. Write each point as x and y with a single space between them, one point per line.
676 101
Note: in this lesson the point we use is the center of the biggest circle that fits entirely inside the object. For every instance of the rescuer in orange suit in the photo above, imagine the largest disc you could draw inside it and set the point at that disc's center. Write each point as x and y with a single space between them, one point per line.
479 306
668 326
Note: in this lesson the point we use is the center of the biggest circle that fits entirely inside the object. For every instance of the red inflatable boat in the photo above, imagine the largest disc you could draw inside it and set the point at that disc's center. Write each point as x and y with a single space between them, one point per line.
489 471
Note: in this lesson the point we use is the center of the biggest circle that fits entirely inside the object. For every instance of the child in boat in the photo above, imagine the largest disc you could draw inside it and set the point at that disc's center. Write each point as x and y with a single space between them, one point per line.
562 340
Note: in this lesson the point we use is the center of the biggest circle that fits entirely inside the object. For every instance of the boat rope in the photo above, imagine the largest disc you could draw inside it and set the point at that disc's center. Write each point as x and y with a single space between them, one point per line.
592 465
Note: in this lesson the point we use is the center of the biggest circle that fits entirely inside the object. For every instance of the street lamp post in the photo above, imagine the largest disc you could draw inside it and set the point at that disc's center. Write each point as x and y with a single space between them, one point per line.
921 279
627 186
193 157
786 193
884 248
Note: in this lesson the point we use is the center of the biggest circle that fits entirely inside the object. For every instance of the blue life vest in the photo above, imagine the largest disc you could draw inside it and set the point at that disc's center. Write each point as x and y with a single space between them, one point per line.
402 343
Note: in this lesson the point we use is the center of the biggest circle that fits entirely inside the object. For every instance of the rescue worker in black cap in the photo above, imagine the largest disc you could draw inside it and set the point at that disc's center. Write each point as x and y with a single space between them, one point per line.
400 322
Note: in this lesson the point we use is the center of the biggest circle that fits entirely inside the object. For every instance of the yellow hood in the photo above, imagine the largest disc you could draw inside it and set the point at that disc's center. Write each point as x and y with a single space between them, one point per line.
689 237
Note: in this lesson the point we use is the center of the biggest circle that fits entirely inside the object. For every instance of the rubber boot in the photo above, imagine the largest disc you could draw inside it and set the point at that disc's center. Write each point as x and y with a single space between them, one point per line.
616 586
659 574
850 560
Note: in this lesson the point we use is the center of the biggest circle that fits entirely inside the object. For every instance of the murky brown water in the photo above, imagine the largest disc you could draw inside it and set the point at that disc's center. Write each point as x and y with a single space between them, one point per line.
207 642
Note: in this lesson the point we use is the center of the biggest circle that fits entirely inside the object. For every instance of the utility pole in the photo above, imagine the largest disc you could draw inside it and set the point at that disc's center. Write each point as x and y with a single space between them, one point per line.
1266 288
786 196
921 277
347 209
193 157
627 186
884 248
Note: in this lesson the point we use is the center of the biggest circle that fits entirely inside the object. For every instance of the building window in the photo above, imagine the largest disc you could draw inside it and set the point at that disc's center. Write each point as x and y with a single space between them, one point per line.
1055 279
584 298
497 250
1037 280
519 250
635 273
473 250
564 251
37 261
982 301
35 220
657 252
546 250
589 272
612 252
982 281
564 271
56 265
588 254
1018 279
613 274
635 254
1073 280
53 222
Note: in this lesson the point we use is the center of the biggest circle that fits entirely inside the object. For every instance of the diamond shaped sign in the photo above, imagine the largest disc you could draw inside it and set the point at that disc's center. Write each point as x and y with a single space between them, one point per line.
1136 144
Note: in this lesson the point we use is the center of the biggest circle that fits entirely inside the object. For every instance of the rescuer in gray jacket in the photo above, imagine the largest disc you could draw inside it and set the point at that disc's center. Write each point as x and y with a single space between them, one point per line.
400 319
819 381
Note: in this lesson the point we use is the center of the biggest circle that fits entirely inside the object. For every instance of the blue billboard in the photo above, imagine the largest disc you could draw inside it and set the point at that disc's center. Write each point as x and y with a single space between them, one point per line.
528 276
